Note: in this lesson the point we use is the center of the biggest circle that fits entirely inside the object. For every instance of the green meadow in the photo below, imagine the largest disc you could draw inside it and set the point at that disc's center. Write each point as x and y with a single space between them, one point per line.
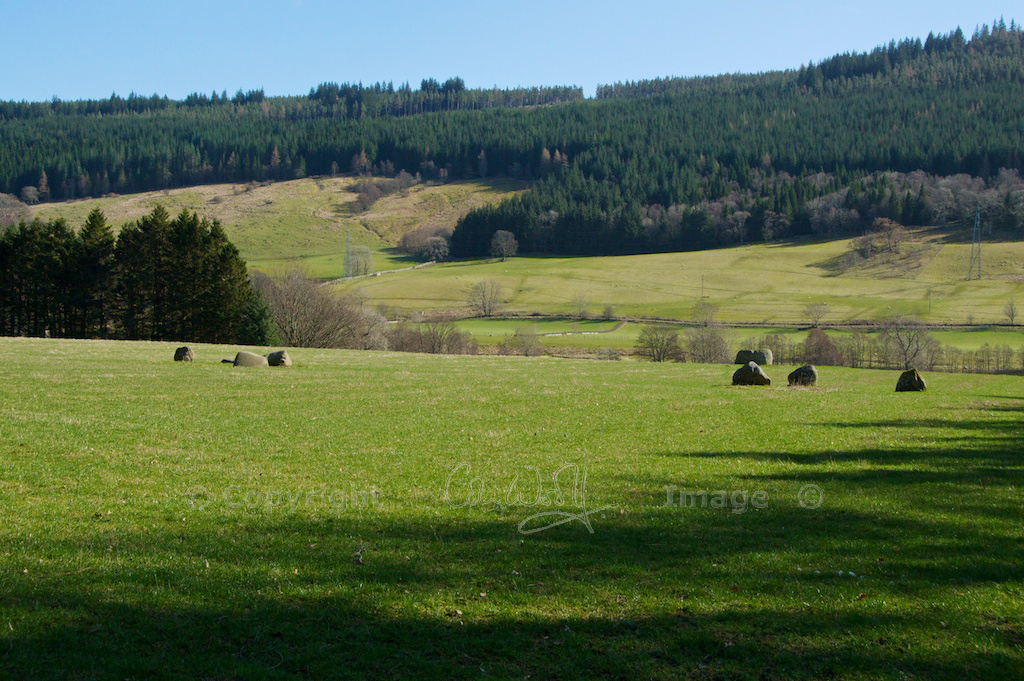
764 283
380 515
597 333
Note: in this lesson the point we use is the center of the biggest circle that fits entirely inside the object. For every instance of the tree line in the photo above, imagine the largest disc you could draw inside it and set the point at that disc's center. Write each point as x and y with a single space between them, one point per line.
159 279
749 158
665 165
897 343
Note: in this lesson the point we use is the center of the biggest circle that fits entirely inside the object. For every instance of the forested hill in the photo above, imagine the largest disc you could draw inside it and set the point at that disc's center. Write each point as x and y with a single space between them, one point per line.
658 165
916 133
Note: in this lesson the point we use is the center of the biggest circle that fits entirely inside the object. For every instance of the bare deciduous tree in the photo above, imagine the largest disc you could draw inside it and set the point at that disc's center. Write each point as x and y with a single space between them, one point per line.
856 349
1010 310
819 349
579 304
437 336
504 245
485 297
704 313
434 337
892 231
309 315
738 225
30 195
815 312
13 211
430 242
659 343
523 342
707 345
361 260
908 341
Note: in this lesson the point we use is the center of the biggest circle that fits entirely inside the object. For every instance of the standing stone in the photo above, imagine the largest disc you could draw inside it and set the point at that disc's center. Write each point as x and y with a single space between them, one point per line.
250 359
750 374
759 357
910 382
279 359
805 375
184 354
744 356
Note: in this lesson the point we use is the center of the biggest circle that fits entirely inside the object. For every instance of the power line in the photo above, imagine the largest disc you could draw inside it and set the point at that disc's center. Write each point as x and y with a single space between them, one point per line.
975 245
347 269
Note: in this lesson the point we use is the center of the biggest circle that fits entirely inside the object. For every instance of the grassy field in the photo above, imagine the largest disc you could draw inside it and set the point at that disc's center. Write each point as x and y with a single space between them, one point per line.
757 283
305 222
182 521
554 333
595 333
302 221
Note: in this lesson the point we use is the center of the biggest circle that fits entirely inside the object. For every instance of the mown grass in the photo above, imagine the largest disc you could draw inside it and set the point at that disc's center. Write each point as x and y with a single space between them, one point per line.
304 221
765 283
148 531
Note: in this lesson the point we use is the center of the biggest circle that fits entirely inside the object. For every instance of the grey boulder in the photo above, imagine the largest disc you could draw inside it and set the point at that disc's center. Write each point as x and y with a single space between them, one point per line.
250 359
805 375
184 354
759 357
750 374
279 359
910 382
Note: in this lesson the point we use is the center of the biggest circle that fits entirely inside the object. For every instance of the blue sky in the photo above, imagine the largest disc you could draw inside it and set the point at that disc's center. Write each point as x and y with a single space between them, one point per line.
79 50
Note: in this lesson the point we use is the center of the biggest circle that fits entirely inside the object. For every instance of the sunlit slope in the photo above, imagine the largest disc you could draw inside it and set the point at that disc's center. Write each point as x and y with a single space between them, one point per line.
756 283
304 219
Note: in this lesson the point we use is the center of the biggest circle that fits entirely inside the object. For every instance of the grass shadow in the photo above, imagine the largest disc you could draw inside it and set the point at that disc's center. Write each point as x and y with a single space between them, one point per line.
236 609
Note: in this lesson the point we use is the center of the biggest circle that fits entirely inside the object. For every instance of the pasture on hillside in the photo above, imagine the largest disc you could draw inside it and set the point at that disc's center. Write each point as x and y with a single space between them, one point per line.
301 222
762 283
304 222
382 515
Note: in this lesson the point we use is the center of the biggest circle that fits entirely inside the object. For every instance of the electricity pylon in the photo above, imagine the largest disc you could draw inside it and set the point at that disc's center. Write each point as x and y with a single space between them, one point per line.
975 246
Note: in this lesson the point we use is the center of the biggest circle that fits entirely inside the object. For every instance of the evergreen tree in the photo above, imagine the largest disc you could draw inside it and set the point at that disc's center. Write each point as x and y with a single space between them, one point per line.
94 277
257 323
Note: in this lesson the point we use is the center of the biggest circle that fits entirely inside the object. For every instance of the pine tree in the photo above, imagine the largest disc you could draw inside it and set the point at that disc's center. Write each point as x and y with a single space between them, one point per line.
94 276
142 258
257 323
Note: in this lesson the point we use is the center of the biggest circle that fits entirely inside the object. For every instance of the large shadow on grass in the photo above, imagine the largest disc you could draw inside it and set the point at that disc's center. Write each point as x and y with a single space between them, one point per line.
656 591
333 639
665 595
988 442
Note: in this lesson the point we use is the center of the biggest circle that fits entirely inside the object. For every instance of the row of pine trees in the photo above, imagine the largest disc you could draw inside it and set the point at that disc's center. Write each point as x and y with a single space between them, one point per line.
158 279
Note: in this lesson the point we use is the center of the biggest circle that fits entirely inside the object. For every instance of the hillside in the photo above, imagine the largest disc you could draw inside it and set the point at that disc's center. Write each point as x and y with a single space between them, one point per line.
649 167
756 283
304 220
